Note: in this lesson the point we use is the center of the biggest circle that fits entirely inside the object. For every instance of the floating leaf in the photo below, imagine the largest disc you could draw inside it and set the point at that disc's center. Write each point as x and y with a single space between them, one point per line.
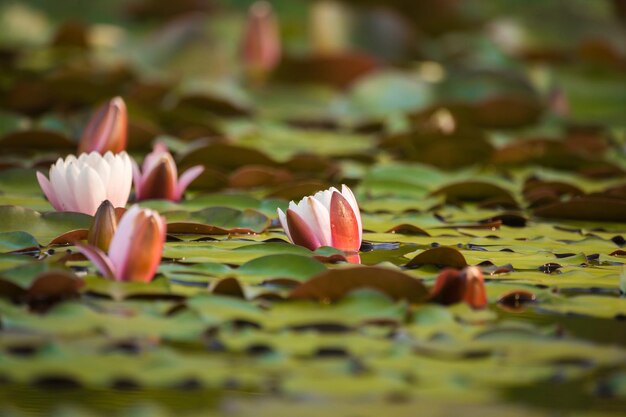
334 284
440 257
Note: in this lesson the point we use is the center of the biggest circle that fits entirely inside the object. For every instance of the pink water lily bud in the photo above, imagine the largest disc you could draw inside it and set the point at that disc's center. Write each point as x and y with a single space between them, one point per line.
158 177
135 250
453 286
107 129
328 218
260 47
82 184
103 226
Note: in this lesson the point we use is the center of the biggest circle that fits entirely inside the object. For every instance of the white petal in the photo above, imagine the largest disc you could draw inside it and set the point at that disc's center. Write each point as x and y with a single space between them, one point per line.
70 159
103 169
120 181
322 219
62 187
324 197
283 222
93 160
89 191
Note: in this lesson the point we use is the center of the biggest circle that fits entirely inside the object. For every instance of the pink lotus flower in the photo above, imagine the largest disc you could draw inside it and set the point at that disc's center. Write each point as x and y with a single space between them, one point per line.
107 129
159 179
260 46
135 250
82 184
328 218
453 286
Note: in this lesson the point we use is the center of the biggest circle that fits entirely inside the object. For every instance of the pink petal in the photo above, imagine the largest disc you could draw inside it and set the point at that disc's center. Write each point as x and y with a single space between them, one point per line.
187 178
119 249
98 258
46 187
301 233
344 225
158 150
137 245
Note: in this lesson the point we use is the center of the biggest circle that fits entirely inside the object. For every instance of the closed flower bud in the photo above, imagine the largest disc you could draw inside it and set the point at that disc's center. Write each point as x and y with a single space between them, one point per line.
103 226
135 250
158 178
107 129
453 286
260 48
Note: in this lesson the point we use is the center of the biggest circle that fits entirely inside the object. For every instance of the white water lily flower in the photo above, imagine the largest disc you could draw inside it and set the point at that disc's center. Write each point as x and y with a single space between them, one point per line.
82 184
327 218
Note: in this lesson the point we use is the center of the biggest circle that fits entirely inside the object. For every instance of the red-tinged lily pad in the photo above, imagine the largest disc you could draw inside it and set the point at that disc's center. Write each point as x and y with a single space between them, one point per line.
334 284
585 208
446 152
225 156
309 164
217 221
252 176
29 141
440 257
538 192
408 229
190 228
474 191
213 104
554 153
28 96
516 300
338 70
210 180
70 237
228 286
507 111
46 289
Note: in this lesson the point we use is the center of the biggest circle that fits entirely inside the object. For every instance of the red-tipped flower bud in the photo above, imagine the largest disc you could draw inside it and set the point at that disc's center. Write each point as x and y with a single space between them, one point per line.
260 46
158 178
453 286
135 250
107 129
